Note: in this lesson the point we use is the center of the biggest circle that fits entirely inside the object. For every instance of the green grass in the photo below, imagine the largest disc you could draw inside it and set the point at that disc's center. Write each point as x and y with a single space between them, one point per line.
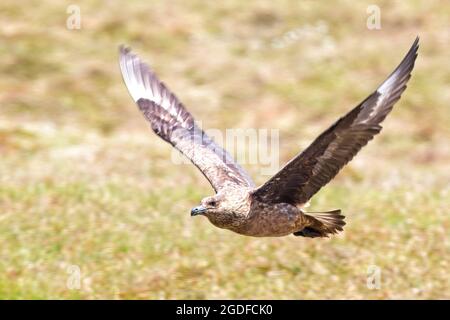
84 182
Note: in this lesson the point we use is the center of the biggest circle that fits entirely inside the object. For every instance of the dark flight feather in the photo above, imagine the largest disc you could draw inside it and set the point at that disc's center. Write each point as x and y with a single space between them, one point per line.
308 172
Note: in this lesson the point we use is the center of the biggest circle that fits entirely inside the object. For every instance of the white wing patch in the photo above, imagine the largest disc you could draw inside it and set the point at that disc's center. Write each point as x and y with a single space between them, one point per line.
386 86
143 84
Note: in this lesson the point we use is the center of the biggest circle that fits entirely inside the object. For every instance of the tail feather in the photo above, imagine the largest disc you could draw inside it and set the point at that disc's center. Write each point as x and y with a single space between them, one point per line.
322 224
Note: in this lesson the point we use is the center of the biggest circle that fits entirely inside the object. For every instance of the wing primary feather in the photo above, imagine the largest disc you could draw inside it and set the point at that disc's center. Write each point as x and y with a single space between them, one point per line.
318 164
170 120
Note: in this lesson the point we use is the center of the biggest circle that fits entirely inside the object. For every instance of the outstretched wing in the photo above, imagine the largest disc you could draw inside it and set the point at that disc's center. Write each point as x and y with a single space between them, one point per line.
171 121
304 175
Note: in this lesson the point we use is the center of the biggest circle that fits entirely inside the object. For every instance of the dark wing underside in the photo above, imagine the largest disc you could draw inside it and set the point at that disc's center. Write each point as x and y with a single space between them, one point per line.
171 121
304 175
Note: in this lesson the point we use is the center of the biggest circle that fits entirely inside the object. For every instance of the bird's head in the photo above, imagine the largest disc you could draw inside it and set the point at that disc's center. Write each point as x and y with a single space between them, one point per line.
209 206
225 207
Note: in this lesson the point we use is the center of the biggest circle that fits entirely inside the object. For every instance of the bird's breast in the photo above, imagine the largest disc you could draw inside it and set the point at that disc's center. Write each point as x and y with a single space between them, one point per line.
267 220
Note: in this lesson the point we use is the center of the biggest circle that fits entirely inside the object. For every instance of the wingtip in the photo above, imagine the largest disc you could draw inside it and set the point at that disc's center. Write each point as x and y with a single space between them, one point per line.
414 51
415 46
404 69
123 49
416 42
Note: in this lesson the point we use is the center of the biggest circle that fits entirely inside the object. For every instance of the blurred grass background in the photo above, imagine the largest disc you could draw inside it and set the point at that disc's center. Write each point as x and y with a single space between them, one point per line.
84 182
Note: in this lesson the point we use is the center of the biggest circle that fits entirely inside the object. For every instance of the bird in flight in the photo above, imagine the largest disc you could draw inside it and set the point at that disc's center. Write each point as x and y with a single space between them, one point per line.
275 208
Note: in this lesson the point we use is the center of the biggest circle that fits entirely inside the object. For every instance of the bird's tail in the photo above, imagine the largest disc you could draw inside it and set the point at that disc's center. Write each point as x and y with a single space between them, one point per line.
322 224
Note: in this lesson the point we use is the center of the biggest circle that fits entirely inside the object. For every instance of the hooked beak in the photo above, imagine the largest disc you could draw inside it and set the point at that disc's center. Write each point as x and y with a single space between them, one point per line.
198 210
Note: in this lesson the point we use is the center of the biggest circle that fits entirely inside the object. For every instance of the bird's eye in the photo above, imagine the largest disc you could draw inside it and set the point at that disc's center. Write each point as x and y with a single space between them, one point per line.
213 203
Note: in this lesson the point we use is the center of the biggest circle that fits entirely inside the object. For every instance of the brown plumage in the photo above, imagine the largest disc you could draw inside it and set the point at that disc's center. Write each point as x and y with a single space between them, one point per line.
275 208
